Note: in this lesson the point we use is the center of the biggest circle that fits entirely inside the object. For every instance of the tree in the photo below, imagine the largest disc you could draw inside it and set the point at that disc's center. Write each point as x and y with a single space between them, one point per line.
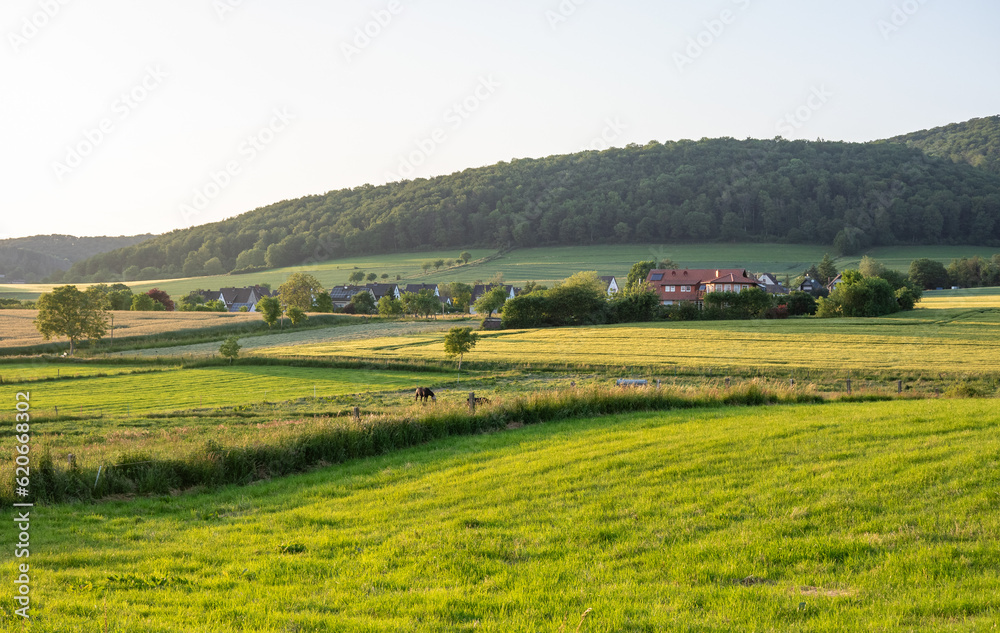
928 274
363 302
323 303
525 311
871 267
299 290
635 302
426 266
66 311
296 315
115 297
230 348
371 277
216 305
270 310
461 295
465 256
162 298
190 301
578 299
826 271
492 301
142 303
801 303
438 263
426 303
459 341
384 276
356 277
214 267
389 306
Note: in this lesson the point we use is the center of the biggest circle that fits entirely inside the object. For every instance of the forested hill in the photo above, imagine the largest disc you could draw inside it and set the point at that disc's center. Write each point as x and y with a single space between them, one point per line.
846 194
34 258
976 142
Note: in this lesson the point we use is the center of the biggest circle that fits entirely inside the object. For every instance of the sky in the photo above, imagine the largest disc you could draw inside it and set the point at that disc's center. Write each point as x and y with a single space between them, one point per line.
121 117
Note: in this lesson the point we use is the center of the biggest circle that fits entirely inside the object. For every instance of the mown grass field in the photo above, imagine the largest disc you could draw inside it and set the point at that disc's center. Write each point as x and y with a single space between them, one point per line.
955 340
863 517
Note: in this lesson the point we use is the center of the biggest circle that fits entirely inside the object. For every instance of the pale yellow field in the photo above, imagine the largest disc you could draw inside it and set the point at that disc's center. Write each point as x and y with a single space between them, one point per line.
17 328
971 298
923 340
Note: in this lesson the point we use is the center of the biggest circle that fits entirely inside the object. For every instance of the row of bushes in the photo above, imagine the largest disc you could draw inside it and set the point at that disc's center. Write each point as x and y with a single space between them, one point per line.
337 440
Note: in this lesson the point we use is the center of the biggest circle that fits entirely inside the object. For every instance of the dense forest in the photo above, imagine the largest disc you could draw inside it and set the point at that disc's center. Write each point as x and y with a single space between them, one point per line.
975 142
849 195
33 258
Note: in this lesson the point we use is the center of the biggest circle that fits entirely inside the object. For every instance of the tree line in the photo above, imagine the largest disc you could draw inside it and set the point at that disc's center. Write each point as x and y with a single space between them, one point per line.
848 195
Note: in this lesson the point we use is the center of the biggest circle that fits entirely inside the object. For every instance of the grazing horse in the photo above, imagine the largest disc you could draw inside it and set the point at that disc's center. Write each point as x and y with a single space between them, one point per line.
423 393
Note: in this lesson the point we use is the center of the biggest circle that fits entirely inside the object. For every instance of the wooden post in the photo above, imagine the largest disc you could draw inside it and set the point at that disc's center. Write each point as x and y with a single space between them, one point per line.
727 382
472 402
791 382
899 387
657 383
848 386
357 413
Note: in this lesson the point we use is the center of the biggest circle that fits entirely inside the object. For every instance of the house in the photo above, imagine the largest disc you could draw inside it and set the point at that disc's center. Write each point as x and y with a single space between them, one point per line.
611 285
810 285
384 290
237 298
342 295
678 286
772 285
480 289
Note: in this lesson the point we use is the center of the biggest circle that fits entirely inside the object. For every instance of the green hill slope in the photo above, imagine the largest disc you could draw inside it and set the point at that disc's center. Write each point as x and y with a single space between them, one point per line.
975 142
848 195
847 517
34 258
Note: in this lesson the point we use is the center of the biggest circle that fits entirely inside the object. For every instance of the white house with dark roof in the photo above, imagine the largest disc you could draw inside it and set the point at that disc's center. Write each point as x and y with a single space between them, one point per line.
611 284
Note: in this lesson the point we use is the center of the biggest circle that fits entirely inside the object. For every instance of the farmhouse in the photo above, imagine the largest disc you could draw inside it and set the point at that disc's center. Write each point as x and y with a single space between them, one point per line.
342 295
384 290
237 298
678 286
810 285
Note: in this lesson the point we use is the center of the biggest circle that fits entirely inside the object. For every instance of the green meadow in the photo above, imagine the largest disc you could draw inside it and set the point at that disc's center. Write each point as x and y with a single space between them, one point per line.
866 517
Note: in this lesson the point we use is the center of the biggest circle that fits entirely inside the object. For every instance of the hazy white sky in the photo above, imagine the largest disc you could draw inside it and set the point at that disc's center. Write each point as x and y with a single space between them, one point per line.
124 117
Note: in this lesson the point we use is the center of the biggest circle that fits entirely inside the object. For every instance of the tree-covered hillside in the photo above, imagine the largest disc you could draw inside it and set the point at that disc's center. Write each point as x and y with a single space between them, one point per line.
846 194
34 258
976 142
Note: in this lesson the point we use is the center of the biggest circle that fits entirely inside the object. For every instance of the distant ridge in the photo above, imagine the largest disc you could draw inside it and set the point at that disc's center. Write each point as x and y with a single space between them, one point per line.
975 142
34 258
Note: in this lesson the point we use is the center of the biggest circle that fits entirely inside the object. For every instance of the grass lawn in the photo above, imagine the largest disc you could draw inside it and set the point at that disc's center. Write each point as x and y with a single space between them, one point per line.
865 517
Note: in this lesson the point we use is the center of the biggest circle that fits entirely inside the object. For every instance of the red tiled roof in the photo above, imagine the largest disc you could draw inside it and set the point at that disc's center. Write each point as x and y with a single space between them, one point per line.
662 279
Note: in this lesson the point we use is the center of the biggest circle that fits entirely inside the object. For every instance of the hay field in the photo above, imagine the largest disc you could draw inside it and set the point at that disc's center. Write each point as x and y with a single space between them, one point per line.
17 328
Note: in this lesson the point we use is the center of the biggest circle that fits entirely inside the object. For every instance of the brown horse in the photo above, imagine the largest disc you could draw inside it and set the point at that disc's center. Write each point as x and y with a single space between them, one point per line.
423 393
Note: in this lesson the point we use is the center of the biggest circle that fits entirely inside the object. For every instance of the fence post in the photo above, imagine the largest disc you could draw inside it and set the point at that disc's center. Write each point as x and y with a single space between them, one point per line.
848 386
727 382
357 413
791 382
472 402
899 387
657 383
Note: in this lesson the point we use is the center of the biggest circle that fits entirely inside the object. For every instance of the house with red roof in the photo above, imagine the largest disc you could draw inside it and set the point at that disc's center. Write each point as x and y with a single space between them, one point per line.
678 286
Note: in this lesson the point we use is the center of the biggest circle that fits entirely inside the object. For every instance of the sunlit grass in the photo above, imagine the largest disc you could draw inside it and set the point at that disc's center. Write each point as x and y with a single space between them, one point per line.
872 517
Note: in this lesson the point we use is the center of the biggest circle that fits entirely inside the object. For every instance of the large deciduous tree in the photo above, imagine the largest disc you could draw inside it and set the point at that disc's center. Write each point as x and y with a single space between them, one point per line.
69 312
299 290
